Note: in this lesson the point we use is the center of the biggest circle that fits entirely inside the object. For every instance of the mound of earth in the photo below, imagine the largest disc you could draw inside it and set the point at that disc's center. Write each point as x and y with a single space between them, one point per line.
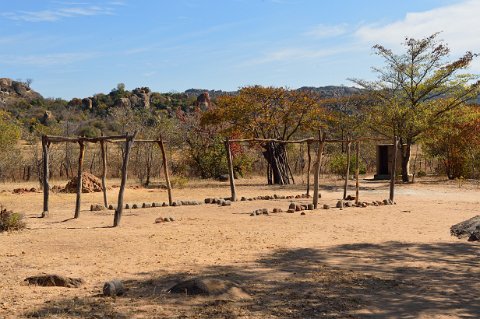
210 287
90 184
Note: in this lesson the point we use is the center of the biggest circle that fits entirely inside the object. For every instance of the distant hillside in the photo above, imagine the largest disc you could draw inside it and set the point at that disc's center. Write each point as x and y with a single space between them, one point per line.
11 92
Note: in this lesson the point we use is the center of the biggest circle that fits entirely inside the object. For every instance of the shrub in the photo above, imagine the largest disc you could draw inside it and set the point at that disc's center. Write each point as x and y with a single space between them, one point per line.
10 221
338 165
179 182
421 174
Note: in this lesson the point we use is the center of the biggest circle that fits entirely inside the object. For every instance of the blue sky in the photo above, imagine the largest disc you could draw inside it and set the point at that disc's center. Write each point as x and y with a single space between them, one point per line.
81 47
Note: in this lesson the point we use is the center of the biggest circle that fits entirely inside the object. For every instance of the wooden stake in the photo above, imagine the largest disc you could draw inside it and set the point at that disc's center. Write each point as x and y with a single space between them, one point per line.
119 210
79 178
165 171
394 168
357 171
308 168
230 170
46 186
104 172
321 138
347 173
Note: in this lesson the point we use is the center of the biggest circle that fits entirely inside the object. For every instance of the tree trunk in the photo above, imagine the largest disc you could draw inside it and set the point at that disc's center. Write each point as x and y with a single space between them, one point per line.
406 151
276 156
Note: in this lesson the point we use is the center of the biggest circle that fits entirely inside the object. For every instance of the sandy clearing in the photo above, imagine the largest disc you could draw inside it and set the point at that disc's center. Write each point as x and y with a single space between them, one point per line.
377 262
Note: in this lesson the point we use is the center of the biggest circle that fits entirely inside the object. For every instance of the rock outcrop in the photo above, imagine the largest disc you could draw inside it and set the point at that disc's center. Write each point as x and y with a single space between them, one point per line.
11 91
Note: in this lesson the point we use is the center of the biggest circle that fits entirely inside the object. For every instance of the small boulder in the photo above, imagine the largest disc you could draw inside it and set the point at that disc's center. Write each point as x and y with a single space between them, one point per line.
339 204
113 288
326 206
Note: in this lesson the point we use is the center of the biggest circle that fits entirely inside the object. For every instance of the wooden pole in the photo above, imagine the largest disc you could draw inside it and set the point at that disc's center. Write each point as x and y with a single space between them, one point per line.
165 171
308 168
347 173
357 171
394 168
321 138
119 210
104 172
230 170
79 178
46 186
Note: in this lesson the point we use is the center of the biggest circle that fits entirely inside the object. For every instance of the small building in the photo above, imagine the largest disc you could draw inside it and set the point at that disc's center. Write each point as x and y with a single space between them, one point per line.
385 161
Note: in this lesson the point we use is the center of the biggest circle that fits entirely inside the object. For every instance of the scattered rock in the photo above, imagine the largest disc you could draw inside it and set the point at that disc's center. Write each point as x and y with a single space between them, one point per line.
146 205
325 206
339 204
310 206
97 208
127 206
208 200
226 203
302 213
291 211
113 288
223 178
134 206
292 206
54 280
350 197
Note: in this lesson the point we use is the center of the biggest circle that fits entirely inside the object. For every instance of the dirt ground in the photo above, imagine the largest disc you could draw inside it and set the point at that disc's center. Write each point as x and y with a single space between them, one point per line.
376 262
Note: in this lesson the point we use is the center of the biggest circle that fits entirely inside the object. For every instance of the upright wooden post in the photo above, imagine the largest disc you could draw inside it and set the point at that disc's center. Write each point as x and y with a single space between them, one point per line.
321 144
394 168
230 170
347 173
79 178
165 171
104 172
309 156
357 171
119 210
46 186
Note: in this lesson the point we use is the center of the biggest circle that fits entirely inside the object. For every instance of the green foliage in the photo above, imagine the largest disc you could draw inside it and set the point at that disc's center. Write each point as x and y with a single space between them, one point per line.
10 132
338 164
10 221
421 174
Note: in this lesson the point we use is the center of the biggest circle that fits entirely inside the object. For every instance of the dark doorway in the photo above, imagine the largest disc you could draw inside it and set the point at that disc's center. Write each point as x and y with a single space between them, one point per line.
383 157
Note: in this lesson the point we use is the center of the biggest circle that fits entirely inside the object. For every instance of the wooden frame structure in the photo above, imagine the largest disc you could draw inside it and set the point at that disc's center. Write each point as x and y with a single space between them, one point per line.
128 139
321 140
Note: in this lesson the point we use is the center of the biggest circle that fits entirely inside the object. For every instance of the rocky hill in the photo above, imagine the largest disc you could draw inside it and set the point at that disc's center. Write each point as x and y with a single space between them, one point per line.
13 91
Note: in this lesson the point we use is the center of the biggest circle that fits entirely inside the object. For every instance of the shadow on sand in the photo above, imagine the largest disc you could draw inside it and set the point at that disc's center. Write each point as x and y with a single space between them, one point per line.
388 280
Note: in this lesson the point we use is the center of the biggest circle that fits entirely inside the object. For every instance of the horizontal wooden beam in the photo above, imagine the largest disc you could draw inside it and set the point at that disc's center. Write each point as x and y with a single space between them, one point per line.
306 140
60 139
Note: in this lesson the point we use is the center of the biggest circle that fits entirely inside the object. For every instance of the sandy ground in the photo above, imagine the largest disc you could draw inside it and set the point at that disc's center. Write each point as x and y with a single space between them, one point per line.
376 262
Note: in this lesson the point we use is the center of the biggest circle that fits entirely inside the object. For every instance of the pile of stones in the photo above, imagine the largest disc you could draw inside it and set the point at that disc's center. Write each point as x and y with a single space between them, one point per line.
275 196
264 211
295 207
342 204
219 201
164 220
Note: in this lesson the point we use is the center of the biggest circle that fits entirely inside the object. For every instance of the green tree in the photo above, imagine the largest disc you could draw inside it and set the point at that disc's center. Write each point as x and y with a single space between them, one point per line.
416 89
10 133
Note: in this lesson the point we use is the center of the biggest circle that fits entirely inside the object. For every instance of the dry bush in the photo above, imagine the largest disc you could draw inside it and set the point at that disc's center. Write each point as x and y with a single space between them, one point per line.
10 221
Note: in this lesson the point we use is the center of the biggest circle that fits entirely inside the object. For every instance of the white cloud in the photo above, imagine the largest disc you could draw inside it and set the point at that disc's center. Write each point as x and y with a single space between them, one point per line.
327 31
52 15
459 24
